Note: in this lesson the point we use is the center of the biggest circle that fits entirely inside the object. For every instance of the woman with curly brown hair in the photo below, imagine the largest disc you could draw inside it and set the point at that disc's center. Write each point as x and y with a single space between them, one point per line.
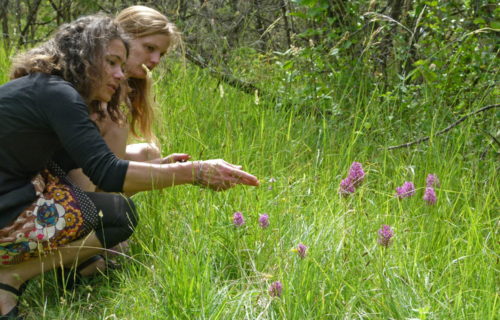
45 220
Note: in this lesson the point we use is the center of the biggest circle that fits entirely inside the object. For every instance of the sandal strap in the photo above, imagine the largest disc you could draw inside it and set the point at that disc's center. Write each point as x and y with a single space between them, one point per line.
22 288
10 289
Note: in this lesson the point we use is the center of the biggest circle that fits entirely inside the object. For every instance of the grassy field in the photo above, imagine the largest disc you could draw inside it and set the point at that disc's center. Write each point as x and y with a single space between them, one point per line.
189 261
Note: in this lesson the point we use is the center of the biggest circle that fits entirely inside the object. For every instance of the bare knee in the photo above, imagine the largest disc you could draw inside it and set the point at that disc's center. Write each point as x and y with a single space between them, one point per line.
153 151
116 138
142 152
114 133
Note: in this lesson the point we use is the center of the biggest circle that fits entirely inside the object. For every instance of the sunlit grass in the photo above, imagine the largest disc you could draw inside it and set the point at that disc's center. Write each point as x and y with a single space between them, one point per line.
188 261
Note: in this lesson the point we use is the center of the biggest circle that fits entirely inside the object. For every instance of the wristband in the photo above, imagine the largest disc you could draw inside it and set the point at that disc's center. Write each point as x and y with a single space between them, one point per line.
198 178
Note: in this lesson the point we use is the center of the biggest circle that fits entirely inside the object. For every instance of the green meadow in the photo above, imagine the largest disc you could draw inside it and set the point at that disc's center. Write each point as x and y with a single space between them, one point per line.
187 259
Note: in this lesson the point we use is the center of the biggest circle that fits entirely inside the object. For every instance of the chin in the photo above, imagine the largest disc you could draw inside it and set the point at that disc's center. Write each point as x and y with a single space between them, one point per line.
141 76
105 98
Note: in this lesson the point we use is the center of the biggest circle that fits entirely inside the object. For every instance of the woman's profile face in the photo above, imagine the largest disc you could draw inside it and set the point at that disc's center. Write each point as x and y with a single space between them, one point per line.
148 51
112 72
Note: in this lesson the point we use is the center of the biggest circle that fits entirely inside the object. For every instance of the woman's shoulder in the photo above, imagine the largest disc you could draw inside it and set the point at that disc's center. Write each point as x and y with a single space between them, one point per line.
42 82
51 81
47 93
54 87
38 86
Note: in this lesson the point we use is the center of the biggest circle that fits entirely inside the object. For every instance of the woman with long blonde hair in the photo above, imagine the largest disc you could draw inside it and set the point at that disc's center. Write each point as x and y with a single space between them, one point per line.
152 36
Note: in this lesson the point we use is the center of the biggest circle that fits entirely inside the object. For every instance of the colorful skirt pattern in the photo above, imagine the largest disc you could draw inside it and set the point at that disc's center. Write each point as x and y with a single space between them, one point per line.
61 214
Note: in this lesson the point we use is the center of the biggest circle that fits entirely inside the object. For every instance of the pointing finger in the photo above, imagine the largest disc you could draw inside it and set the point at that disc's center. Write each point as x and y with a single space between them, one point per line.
245 178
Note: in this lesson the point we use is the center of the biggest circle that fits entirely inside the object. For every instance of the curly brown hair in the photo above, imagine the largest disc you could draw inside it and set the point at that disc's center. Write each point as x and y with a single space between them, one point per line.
76 53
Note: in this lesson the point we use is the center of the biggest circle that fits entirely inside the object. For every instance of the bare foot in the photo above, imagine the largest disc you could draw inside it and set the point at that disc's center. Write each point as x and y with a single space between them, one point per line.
100 264
97 266
8 300
118 250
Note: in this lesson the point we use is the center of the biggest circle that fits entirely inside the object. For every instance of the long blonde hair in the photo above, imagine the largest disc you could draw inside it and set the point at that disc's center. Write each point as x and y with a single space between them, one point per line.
141 21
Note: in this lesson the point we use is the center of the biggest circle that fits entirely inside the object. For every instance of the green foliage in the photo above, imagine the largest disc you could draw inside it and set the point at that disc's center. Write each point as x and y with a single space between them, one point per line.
436 49
30 22
4 64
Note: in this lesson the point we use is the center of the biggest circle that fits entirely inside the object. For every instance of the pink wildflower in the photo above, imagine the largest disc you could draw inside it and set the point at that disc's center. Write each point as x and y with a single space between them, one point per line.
354 179
384 235
275 289
406 190
238 219
264 221
430 196
346 187
356 174
432 180
302 250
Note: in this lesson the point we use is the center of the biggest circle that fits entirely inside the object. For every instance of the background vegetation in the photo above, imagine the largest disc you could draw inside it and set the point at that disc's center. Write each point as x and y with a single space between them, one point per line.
296 91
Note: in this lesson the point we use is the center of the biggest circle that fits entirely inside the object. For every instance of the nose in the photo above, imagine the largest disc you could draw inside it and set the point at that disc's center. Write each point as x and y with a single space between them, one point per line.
155 58
119 74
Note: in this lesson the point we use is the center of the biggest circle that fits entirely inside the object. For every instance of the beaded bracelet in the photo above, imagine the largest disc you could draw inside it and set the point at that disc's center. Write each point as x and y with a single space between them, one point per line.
198 180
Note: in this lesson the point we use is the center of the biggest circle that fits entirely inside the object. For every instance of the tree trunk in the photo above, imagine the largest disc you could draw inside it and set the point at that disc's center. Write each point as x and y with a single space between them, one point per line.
337 10
386 45
30 21
4 16
182 8
412 56
234 5
287 26
260 25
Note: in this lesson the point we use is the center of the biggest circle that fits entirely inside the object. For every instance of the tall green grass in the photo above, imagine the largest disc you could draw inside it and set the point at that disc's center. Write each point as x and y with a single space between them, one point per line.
188 261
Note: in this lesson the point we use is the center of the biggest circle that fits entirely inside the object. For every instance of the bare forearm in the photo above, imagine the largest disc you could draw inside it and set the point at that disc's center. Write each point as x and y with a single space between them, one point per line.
215 174
147 176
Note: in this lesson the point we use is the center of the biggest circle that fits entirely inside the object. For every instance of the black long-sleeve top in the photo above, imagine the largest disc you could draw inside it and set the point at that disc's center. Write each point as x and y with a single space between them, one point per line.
42 115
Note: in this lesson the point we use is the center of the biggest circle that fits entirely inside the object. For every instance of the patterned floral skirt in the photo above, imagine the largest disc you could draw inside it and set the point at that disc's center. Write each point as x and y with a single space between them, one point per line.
61 214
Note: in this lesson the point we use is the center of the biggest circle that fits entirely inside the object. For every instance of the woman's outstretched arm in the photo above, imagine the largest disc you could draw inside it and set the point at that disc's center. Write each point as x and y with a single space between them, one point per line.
217 175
